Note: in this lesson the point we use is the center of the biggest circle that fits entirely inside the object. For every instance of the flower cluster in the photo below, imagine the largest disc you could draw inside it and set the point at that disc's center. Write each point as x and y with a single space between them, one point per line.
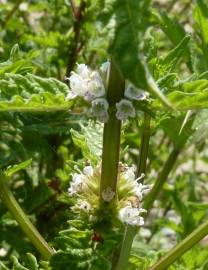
129 185
85 187
90 85
125 108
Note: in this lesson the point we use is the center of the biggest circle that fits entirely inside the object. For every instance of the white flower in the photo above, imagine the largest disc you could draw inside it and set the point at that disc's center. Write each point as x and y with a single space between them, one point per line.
84 205
138 188
100 109
105 67
108 194
23 6
131 216
95 86
77 184
86 83
88 170
125 109
3 1
132 92
77 85
141 189
83 71
129 174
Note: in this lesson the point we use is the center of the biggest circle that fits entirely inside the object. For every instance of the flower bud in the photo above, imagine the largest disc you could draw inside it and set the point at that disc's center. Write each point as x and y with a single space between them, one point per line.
132 92
100 109
125 109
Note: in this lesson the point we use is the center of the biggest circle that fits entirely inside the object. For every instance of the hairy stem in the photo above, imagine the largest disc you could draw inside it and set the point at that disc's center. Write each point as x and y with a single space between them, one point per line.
23 221
181 248
112 130
131 231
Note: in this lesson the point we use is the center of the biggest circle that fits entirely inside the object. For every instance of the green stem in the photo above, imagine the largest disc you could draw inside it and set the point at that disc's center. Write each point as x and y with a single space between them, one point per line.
181 248
112 130
131 231
142 163
23 221
129 234
161 179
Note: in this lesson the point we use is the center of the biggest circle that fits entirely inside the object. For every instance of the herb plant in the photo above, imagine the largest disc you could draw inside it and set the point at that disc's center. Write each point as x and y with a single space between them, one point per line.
103 132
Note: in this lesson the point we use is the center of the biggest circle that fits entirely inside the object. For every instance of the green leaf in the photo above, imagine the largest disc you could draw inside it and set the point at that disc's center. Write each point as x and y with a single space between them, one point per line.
14 54
131 22
13 169
17 265
16 63
32 264
172 58
177 131
163 66
31 93
201 18
3 267
32 261
188 96
98 263
89 140
174 31
171 27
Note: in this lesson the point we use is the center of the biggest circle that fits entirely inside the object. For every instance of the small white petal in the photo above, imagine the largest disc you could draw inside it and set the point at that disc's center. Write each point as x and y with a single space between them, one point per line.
83 71
84 205
71 95
78 178
77 184
140 177
95 86
108 194
105 66
88 170
130 174
77 84
131 216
